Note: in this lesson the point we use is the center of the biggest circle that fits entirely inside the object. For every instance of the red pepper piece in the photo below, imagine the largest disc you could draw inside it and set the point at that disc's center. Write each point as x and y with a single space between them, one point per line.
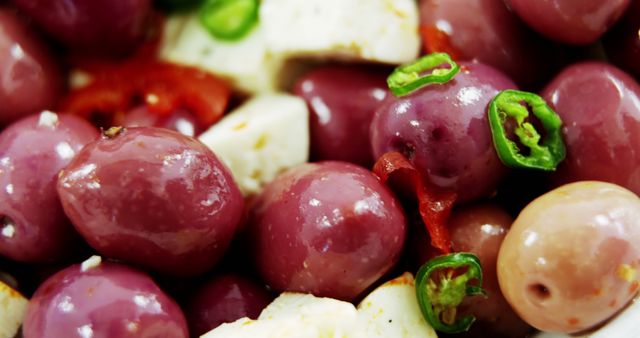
435 40
434 205
162 87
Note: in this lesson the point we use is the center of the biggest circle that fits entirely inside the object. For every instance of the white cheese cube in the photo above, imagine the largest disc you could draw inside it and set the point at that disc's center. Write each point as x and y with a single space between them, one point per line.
371 30
389 311
263 137
246 64
392 310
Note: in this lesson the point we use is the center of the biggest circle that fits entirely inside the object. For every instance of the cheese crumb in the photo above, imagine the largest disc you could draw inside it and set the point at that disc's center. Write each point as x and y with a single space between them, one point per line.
92 262
48 119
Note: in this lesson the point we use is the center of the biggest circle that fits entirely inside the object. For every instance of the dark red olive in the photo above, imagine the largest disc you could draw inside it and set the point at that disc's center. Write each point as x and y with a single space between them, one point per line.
152 197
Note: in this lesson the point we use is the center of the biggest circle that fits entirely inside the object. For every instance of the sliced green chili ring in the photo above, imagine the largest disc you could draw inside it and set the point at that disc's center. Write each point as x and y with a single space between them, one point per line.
439 299
514 104
229 19
406 79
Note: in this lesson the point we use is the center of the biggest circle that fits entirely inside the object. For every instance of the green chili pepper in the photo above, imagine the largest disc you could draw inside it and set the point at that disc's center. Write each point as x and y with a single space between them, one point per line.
440 294
513 104
408 78
229 19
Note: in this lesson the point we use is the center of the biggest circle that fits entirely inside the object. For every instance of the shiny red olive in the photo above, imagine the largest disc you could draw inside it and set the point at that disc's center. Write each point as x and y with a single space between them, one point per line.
487 31
225 299
327 228
342 100
104 301
33 226
91 26
577 22
571 258
444 131
30 80
600 109
154 198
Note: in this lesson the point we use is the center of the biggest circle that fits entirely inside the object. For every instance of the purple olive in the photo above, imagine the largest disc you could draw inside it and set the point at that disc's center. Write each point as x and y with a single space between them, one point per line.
327 228
600 109
152 197
342 100
487 31
570 21
30 80
33 226
444 131
104 301
94 26
225 299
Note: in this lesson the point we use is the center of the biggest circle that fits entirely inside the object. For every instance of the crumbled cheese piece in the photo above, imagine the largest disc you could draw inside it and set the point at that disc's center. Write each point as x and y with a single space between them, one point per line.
48 119
389 311
93 262
13 307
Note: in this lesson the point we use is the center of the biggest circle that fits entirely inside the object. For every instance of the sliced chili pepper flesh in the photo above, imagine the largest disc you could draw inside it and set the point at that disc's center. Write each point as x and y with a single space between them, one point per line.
429 69
434 205
543 152
161 87
442 284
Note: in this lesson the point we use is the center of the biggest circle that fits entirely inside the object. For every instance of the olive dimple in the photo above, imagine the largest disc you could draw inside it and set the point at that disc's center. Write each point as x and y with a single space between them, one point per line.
572 253
539 292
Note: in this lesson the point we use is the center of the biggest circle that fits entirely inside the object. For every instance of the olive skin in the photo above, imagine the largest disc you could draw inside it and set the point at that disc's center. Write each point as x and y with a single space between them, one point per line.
33 226
571 257
327 228
152 197
104 301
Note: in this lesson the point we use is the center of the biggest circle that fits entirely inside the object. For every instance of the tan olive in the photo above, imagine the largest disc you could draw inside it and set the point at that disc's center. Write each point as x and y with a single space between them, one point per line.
571 258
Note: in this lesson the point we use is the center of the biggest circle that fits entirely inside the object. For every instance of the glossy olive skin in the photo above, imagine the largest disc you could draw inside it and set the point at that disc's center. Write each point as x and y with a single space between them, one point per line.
342 101
480 229
327 228
600 109
569 261
30 80
444 131
180 120
487 31
107 301
225 299
91 26
577 22
622 42
152 197
33 226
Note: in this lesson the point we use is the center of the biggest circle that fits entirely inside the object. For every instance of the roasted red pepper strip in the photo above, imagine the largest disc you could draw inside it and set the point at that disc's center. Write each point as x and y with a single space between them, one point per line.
162 87
435 206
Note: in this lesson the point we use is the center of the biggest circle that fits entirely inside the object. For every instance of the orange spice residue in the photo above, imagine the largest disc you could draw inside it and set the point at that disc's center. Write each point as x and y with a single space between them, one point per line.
434 40
633 288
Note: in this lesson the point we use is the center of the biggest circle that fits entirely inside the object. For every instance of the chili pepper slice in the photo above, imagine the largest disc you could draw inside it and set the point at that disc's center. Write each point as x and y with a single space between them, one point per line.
440 290
434 205
406 79
229 19
161 87
513 104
